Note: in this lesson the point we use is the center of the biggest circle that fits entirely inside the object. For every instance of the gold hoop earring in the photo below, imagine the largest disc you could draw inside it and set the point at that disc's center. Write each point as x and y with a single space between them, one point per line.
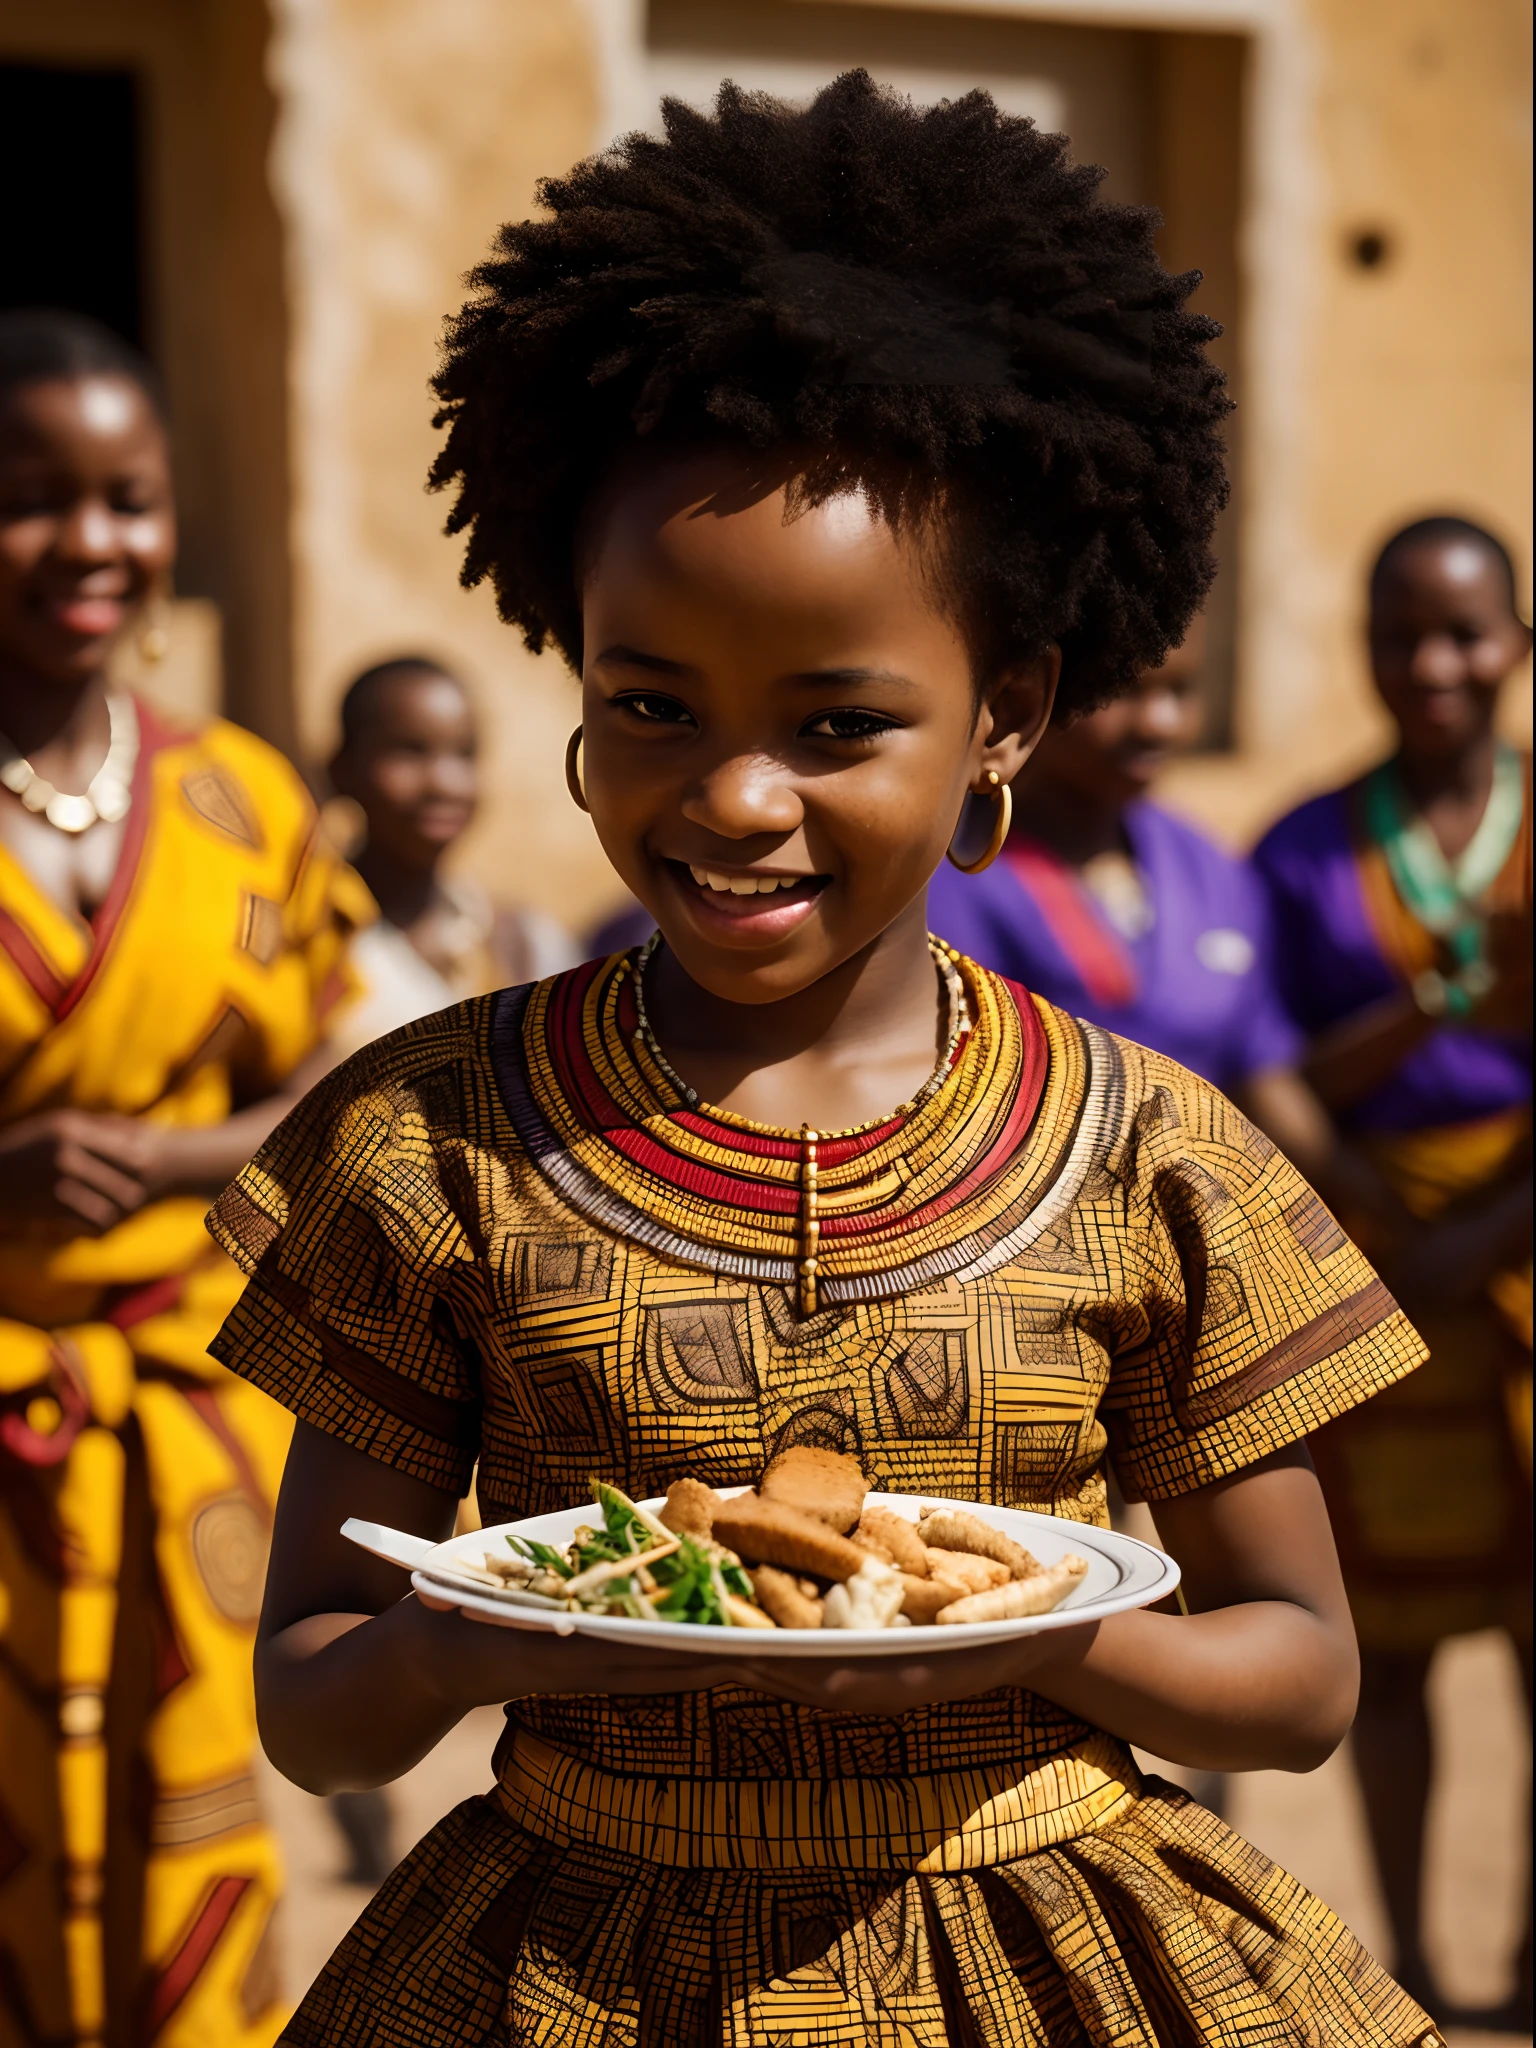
573 772
155 638
1002 818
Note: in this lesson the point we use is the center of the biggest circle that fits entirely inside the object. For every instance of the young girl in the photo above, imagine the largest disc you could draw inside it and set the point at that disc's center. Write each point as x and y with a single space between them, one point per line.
1403 912
834 445
170 935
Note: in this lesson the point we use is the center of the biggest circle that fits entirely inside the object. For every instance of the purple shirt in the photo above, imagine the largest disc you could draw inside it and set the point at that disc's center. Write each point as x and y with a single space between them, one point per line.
1329 965
1203 991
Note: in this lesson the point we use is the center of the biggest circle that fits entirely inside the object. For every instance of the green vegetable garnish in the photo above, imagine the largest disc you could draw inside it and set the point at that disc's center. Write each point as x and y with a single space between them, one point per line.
692 1583
543 1554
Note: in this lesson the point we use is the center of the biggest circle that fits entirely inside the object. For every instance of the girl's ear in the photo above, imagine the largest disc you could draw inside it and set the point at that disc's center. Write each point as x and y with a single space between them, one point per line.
1017 708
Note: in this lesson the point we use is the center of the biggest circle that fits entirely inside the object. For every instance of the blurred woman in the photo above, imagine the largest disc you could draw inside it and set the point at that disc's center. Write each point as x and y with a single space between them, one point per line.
1111 907
169 939
409 759
1403 920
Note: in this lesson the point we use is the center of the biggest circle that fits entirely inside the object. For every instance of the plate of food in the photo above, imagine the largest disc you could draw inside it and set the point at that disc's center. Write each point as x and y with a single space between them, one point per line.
811 1561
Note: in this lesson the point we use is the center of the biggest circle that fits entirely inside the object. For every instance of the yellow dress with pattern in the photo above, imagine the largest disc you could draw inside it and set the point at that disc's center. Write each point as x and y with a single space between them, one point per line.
137 1476
502 1234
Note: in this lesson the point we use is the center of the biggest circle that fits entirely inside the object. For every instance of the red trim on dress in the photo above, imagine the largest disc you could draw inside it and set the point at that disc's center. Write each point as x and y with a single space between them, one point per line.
29 962
645 1147
153 1298
154 737
195 1947
1099 960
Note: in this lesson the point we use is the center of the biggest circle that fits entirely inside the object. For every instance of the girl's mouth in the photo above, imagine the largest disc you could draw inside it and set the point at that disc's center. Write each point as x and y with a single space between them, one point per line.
89 618
748 901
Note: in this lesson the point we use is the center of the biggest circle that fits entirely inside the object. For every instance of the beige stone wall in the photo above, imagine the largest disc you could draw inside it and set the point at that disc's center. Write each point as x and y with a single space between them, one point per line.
409 129
1414 394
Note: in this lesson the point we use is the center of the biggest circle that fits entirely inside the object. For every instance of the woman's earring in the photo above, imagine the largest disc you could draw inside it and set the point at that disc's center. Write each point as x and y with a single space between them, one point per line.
1002 817
155 638
573 772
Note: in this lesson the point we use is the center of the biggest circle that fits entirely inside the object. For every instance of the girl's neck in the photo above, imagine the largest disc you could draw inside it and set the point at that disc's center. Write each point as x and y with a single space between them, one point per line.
54 725
846 1049
1076 825
1463 778
404 893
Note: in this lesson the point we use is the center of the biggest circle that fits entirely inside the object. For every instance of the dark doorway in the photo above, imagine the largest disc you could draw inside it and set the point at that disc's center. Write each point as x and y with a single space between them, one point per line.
69 168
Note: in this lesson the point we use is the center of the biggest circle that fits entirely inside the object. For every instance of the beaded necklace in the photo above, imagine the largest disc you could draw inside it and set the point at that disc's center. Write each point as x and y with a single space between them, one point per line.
806 1264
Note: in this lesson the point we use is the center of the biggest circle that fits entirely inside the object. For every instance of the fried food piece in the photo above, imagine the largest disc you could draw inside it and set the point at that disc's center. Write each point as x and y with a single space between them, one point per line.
964 1568
872 1545
924 1599
1038 1595
953 1529
821 1483
769 1532
785 1598
744 1615
870 1599
896 1534
690 1508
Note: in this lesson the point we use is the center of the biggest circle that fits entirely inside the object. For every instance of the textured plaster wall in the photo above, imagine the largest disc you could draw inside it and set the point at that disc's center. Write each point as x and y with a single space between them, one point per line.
1412 392
409 129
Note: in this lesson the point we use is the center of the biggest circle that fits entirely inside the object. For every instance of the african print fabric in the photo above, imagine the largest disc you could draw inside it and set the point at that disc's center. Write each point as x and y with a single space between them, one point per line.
502 1233
137 1478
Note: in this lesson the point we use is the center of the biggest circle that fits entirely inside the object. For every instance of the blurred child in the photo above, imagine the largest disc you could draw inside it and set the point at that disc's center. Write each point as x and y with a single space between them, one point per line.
1111 906
409 758
1403 920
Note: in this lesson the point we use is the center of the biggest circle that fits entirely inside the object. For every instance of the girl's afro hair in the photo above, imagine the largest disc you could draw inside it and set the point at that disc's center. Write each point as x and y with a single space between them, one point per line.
929 302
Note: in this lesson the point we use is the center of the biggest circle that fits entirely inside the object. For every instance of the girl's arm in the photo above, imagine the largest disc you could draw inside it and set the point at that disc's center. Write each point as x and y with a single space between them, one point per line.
355 1683
1260 1675
356 1679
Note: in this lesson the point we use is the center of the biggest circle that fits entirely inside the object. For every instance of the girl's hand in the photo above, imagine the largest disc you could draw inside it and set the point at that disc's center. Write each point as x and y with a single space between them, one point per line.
893 1685
89 1170
479 1662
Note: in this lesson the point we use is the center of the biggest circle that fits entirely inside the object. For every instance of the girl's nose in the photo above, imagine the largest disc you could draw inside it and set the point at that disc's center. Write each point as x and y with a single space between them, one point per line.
743 796
88 532
1437 660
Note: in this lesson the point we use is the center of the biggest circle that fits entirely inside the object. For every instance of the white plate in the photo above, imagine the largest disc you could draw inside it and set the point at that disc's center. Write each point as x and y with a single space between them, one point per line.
1122 1573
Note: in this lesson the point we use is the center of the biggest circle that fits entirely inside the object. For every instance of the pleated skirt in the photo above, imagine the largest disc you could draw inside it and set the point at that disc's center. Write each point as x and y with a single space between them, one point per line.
1161 1929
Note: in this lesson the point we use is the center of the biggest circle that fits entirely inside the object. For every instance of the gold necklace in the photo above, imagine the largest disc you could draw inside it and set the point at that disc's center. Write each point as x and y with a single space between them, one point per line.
108 794
807 1264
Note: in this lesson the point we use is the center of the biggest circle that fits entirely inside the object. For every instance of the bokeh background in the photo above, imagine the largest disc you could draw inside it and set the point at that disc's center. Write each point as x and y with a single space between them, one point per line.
279 200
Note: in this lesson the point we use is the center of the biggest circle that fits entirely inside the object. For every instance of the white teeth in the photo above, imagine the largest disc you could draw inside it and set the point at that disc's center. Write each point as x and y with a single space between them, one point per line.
741 885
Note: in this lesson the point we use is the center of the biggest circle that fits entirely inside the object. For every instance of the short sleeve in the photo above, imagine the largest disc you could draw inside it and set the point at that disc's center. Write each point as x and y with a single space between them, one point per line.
354 1314
1260 1320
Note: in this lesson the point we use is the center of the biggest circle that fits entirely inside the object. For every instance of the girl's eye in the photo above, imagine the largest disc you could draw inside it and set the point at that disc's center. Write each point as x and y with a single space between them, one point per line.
656 709
846 725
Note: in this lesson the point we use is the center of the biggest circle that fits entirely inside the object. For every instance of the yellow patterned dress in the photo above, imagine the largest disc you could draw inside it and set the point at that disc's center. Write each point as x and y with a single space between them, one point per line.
137 1477
501 1233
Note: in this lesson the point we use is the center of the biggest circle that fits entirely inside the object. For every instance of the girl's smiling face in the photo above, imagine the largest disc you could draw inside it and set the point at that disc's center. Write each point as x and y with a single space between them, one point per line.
1444 635
86 520
780 721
